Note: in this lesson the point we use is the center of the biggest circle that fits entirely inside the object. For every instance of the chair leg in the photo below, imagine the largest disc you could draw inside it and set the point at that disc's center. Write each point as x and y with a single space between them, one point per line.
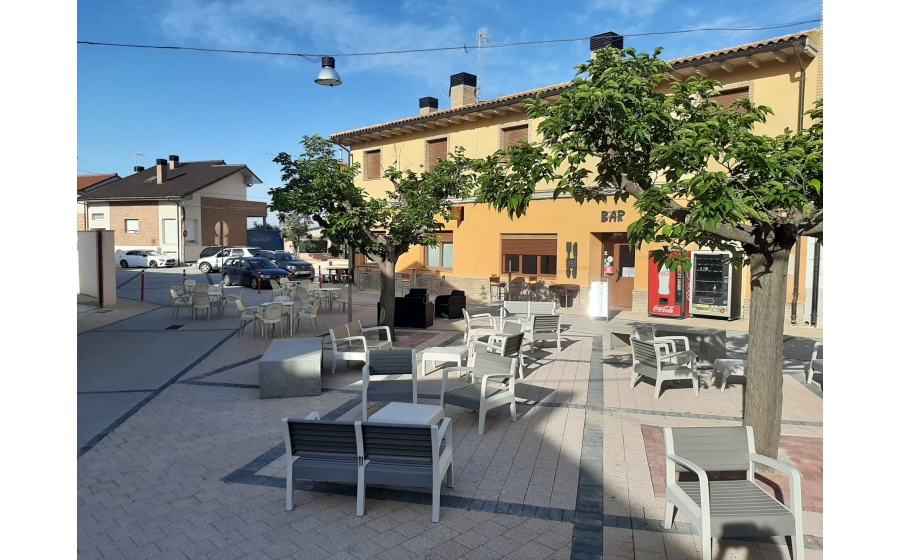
706 544
696 380
436 498
797 547
635 377
512 410
670 514
289 492
481 414
658 388
361 492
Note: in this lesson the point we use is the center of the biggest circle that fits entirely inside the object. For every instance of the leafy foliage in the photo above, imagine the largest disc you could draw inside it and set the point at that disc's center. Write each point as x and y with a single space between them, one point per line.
697 171
294 228
322 187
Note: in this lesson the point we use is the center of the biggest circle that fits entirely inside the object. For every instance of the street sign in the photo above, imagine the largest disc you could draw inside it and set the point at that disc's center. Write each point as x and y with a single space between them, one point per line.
221 232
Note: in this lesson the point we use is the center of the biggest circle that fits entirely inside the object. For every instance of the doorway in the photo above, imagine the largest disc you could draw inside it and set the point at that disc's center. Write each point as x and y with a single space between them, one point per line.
621 281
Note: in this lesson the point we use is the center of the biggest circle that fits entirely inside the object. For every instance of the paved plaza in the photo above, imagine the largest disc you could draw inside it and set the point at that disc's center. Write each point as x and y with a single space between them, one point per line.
180 458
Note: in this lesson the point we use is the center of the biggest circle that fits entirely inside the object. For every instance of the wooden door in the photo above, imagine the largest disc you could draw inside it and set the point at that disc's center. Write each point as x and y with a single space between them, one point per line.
623 280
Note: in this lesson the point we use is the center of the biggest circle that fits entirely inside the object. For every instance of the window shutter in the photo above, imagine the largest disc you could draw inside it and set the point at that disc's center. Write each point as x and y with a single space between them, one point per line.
727 97
524 245
514 134
373 164
437 149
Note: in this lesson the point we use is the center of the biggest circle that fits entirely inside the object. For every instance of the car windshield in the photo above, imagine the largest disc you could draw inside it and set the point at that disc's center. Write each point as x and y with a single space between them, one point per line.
288 257
154 253
261 263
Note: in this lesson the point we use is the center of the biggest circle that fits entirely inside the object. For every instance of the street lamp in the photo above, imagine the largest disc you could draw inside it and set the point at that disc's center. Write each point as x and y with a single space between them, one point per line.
328 76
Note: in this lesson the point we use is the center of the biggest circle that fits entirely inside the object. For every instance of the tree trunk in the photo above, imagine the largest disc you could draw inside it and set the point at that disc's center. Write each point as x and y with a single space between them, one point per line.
388 290
763 395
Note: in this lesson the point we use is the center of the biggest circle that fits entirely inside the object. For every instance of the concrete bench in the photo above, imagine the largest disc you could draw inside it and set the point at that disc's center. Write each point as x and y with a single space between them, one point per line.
708 344
291 368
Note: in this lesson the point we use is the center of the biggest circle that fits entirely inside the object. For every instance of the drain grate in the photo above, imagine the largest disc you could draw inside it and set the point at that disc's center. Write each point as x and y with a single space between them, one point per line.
102 311
173 327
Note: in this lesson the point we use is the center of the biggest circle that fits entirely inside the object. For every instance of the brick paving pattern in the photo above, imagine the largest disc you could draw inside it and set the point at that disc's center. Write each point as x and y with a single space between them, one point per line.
198 470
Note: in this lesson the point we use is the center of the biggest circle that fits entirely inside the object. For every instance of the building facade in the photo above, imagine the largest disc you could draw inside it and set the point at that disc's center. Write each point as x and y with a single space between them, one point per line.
175 206
783 73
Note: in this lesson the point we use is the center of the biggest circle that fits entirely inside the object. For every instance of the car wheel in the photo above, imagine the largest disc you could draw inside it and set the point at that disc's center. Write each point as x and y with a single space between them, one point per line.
123 263
253 283
227 280
205 268
153 264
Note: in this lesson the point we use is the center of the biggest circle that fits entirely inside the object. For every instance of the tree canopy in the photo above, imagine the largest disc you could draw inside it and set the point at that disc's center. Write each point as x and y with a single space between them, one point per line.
697 172
321 186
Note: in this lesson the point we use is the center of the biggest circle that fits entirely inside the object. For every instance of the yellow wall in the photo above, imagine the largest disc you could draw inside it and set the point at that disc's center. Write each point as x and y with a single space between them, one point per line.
477 237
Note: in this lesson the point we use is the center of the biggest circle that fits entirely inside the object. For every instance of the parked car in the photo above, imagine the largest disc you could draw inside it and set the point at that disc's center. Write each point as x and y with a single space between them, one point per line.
247 271
211 251
290 262
214 262
141 258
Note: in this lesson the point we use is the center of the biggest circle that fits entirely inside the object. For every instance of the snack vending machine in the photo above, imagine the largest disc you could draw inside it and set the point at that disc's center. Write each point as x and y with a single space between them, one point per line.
667 292
715 286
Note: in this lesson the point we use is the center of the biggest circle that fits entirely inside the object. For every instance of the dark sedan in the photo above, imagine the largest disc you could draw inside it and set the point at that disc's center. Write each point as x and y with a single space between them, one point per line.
290 262
247 272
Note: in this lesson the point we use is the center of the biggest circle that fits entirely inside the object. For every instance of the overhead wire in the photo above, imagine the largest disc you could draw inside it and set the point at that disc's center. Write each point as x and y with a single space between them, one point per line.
318 57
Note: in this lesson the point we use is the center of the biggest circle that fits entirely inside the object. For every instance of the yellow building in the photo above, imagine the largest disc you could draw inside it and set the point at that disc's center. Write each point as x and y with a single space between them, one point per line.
783 73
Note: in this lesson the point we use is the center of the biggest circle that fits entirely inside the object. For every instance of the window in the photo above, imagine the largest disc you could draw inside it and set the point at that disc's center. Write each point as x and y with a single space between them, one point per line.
529 254
132 226
441 255
728 96
170 231
373 164
99 217
191 227
436 149
513 134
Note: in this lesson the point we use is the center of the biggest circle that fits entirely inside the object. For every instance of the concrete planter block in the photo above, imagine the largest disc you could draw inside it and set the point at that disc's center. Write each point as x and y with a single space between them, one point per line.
291 368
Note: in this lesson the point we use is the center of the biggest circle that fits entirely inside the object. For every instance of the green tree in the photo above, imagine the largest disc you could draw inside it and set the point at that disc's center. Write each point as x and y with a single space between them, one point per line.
698 174
294 228
318 185
263 225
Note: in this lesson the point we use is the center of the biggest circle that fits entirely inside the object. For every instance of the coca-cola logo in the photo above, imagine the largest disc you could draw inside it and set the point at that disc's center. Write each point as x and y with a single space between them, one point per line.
664 309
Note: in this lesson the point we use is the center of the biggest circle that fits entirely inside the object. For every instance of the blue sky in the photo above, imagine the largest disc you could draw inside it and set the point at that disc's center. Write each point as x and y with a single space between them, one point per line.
247 108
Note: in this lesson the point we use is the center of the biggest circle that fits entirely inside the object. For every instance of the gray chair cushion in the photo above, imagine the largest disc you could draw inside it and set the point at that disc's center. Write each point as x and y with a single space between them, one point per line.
469 395
740 508
817 366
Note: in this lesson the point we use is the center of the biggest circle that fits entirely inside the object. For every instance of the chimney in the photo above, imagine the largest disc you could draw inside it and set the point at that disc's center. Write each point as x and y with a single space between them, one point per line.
161 171
138 168
462 89
608 39
427 105
173 162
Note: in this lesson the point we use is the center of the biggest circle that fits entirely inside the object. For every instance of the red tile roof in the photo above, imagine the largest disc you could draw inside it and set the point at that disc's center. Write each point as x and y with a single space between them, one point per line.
85 181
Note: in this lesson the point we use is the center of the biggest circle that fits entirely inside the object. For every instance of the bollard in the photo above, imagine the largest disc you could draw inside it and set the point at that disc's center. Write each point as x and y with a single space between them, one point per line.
320 276
183 276
142 285
258 281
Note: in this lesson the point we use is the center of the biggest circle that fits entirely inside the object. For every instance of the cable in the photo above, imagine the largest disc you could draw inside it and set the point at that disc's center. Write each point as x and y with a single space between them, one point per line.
466 48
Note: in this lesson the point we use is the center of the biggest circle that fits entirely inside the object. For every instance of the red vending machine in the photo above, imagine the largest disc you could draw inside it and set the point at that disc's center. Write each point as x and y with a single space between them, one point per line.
668 292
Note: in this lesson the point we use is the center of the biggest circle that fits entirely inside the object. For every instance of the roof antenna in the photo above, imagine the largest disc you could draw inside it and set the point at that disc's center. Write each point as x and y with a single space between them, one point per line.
137 155
483 37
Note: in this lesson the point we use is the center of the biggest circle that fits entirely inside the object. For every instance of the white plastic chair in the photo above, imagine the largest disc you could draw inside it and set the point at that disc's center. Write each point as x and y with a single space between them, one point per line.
727 508
230 300
247 315
311 313
189 286
200 300
270 316
178 301
544 327
815 363
478 317
178 291
478 395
